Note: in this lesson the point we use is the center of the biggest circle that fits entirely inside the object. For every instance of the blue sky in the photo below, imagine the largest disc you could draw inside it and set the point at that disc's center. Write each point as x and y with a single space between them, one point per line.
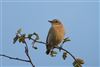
81 21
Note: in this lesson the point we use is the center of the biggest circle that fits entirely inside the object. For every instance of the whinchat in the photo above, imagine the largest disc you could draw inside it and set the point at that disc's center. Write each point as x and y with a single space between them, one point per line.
55 35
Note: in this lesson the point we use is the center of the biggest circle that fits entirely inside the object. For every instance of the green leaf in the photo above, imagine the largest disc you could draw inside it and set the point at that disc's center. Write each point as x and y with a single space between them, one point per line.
15 39
37 36
64 56
19 31
53 53
78 62
66 40
30 36
77 65
22 38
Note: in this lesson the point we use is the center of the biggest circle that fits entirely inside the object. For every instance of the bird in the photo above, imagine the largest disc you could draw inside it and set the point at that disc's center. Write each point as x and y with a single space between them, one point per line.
55 35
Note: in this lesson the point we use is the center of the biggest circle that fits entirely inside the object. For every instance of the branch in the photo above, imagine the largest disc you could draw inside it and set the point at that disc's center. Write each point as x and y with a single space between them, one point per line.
27 54
60 48
22 39
67 52
36 40
14 58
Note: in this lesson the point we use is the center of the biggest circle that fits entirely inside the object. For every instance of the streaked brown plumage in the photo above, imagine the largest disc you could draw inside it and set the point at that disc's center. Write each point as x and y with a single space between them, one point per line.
55 35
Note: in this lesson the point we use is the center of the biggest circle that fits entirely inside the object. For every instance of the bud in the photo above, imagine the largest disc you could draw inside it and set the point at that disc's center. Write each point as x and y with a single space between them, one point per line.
64 56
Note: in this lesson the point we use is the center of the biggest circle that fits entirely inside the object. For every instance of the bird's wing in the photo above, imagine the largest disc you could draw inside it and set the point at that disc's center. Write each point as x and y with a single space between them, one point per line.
48 36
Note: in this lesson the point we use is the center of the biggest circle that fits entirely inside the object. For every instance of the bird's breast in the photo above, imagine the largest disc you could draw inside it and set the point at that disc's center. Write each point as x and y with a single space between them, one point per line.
58 34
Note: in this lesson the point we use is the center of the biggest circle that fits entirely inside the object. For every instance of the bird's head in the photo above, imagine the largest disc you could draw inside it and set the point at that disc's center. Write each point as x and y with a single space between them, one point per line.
55 22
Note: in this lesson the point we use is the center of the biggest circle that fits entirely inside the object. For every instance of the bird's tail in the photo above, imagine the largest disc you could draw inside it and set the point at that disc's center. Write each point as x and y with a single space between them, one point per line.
47 52
48 47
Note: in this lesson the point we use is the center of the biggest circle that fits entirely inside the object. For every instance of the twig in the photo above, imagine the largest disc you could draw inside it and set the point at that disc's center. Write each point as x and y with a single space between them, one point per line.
67 52
60 48
36 40
27 54
14 58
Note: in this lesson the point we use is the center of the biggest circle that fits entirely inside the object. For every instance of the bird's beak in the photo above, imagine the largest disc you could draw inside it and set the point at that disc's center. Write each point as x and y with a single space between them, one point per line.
50 21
